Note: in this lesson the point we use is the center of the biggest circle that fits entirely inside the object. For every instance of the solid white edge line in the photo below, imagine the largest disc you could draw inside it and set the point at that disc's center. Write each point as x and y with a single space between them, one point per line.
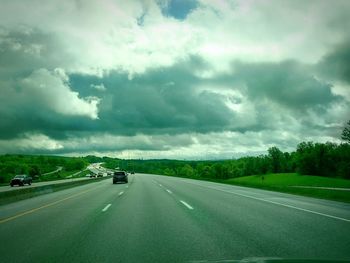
106 207
187 205
170 192
122 192
276 203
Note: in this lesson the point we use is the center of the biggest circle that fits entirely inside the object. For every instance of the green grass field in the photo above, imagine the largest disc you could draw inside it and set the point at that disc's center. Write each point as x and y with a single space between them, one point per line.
292 179
287 182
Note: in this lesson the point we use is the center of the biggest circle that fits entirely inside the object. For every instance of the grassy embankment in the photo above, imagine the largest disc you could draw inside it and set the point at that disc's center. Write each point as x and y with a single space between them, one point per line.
293 183
63 175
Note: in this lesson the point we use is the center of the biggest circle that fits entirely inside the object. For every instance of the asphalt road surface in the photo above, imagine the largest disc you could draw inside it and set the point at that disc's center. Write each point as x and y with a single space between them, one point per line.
167 219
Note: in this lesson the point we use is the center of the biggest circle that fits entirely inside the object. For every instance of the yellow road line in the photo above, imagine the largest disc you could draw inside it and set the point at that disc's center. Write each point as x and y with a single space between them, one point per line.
41 207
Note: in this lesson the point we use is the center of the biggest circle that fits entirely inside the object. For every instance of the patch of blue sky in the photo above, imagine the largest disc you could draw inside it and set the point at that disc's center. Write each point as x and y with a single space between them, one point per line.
179 9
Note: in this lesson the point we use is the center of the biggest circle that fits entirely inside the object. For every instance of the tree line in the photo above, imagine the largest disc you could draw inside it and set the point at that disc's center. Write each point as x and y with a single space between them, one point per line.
321 159
309 158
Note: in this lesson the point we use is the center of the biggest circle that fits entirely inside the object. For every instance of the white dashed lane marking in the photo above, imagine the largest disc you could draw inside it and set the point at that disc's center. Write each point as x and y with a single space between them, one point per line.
106 208
187 205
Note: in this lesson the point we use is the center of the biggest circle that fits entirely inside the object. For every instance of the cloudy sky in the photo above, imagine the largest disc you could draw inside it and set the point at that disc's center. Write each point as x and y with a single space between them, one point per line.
185 79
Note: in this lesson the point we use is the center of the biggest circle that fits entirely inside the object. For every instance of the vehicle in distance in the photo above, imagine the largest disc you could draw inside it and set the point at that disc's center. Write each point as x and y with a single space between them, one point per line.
132 172
100 175
92 175
120 176
21 180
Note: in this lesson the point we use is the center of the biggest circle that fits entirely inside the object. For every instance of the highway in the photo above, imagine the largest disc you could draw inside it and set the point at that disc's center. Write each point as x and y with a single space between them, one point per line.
36 184
94 168
167 219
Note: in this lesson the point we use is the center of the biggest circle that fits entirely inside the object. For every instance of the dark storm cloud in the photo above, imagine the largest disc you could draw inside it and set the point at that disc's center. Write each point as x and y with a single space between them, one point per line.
169 100
139 143
290 92
288 83
23 50
21 116
336 64
164 100
31 88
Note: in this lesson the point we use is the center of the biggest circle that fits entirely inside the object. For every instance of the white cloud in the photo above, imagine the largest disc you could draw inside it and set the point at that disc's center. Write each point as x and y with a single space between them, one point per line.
342 89
51 90
30 142
103 36
99 87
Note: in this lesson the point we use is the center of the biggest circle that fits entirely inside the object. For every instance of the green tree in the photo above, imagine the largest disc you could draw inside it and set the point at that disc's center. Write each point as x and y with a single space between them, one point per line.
187 171
169 171
305 158
74 164
203 170
34 170
219 171
346 133
276 157
262 164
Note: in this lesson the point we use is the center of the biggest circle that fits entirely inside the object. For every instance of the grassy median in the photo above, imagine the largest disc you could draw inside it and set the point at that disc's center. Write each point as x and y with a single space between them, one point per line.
297 184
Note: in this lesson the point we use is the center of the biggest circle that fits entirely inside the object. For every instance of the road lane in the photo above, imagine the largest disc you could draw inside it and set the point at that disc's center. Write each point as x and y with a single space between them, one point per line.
59 168
36 184
336 209
147 223
46 232
285 229
94 168
82 196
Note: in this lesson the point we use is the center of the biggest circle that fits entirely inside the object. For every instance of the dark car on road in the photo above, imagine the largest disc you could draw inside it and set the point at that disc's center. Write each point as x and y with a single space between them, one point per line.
120 176
21 180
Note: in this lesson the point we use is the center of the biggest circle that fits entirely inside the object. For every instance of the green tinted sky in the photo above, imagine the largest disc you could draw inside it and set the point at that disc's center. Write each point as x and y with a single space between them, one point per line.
172 78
